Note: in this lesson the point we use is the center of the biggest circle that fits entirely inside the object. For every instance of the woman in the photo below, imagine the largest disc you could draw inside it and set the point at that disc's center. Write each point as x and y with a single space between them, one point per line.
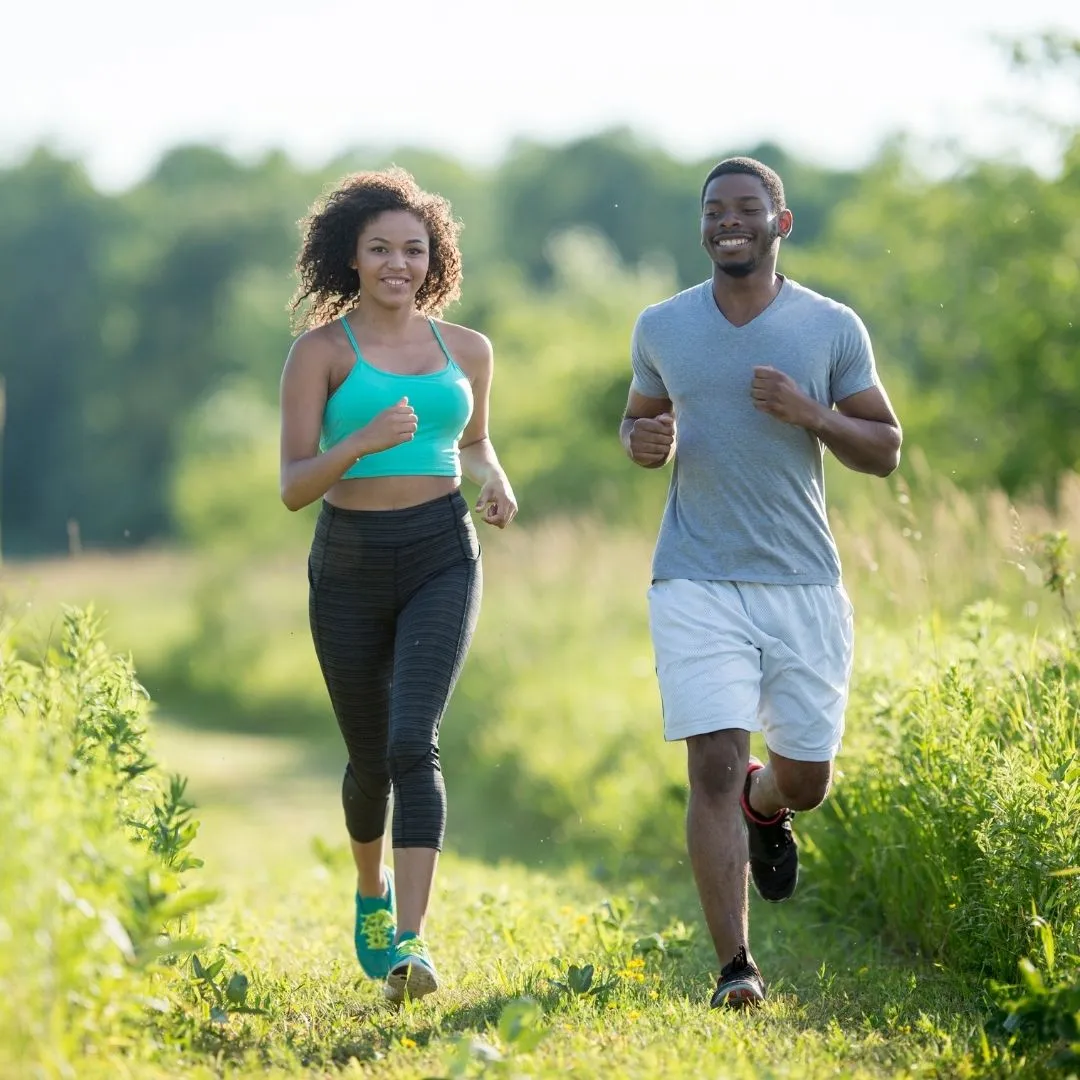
383 408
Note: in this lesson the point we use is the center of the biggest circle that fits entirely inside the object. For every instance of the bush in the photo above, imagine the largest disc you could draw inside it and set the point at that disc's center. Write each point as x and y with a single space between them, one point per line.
94 905
966 813
1044 1008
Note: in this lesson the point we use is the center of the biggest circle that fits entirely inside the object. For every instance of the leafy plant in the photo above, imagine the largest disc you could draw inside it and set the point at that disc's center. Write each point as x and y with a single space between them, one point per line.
1046 1009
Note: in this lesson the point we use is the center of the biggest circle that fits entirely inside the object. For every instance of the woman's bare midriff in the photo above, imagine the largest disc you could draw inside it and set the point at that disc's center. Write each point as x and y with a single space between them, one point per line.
389 492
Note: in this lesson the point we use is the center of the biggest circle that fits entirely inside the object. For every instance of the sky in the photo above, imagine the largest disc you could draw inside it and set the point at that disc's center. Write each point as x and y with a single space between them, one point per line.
118 82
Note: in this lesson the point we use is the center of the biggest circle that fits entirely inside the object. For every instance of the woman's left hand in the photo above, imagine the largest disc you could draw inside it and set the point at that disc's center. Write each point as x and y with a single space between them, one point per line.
496 504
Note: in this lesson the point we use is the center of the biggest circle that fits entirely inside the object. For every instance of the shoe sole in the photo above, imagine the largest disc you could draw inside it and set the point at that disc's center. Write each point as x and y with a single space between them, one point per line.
415 981
739 996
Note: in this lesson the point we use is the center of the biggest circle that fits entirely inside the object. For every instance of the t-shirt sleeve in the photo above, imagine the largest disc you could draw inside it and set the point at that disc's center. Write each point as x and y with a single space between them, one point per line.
853 366
646 380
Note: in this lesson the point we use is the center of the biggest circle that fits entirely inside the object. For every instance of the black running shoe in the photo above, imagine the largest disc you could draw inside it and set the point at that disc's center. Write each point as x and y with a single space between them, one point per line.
740 984
774 855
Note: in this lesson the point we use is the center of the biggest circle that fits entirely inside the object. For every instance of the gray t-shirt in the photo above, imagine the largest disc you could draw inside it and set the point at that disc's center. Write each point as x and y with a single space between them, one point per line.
747 494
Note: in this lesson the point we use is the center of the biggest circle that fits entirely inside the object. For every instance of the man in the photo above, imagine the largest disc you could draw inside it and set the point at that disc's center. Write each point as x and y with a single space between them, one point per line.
744 380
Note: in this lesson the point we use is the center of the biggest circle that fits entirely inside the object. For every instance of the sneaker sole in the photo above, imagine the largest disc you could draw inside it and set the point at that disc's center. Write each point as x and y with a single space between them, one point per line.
416 981
740 996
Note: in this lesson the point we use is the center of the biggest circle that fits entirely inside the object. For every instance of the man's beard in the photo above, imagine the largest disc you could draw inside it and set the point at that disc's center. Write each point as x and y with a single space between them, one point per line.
739 270
745 269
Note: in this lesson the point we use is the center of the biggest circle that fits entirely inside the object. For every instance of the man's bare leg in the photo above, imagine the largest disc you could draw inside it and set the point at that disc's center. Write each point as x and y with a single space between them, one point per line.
786 784
716 835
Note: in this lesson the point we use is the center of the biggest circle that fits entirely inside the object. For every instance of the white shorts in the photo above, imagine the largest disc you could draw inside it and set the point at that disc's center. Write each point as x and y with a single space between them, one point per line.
770 658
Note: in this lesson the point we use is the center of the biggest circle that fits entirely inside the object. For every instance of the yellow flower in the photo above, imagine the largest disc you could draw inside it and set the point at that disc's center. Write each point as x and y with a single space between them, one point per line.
407 1043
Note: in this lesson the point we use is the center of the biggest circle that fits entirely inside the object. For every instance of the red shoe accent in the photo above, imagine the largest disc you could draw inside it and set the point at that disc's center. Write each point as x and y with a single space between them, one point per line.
751 768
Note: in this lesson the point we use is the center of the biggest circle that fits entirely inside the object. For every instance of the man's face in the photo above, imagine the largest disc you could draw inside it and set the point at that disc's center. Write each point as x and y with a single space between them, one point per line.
740 230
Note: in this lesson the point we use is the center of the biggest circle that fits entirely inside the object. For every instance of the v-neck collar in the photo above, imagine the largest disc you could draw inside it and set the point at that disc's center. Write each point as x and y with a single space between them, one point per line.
778 301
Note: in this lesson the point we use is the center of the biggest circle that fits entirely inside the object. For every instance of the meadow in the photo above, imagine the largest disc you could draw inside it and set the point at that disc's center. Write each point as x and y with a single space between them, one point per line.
148 929
175 894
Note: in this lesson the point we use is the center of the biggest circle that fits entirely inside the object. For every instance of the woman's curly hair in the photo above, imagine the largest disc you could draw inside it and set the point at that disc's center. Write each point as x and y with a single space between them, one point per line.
329 285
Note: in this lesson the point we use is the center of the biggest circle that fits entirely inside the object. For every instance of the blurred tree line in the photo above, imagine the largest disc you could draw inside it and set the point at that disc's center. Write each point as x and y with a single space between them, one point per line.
144 332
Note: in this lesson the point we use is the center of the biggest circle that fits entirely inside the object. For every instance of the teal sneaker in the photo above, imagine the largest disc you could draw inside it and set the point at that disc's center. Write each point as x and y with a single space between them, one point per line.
411 970
375 929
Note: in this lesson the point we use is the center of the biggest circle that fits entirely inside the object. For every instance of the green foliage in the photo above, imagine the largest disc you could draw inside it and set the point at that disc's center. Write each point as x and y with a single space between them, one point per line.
95 906
225 992
1055 555
142 382
556 723
967 286
967 811
1044 1007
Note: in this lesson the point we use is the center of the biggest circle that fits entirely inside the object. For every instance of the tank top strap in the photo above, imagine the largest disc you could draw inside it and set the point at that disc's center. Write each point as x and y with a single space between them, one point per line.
352 340
442 344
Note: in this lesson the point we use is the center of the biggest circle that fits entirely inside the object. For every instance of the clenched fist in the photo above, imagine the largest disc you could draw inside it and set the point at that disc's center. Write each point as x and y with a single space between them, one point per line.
389 428
651 440
777 394
496 502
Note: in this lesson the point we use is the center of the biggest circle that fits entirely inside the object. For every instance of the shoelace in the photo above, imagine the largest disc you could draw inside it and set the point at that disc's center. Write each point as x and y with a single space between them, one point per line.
738 962
413 947
377 928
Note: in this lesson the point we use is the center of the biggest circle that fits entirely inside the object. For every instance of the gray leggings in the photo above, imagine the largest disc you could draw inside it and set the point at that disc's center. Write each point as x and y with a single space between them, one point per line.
393 602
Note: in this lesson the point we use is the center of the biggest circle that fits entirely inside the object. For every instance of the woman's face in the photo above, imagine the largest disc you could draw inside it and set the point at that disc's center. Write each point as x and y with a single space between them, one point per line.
392 256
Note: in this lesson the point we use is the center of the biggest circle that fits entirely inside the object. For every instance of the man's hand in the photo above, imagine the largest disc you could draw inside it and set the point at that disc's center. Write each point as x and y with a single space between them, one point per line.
651 440
778 395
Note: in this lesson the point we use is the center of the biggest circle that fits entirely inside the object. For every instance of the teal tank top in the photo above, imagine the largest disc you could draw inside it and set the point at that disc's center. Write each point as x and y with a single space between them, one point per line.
442 400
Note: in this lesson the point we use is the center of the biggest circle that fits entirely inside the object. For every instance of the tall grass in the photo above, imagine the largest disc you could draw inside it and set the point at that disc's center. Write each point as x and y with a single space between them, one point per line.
962 821
921 547
94 905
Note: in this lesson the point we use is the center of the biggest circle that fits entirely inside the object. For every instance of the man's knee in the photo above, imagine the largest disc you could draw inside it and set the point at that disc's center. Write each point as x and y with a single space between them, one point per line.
716 763
803 785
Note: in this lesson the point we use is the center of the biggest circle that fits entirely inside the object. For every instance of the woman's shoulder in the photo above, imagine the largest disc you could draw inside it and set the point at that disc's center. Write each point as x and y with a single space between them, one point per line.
468 347
317 345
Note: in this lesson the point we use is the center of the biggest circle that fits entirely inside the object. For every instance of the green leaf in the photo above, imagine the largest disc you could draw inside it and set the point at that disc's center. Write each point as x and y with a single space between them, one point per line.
237 988
1031 977
649 944
519 1024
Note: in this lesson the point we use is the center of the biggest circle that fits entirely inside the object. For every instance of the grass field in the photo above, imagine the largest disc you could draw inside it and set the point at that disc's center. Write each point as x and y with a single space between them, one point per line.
841 1004
565 843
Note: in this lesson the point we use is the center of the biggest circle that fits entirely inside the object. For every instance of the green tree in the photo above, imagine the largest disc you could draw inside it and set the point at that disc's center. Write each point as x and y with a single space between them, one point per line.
54 236
968 285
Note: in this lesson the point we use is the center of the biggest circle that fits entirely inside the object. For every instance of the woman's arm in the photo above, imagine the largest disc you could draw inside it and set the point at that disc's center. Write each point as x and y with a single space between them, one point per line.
479 462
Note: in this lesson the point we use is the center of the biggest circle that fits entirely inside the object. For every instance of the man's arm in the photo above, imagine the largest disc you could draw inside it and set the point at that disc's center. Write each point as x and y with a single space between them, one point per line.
647 431
862 432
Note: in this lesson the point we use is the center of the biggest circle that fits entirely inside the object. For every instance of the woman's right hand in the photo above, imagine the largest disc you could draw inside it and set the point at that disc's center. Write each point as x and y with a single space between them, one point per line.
390 428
